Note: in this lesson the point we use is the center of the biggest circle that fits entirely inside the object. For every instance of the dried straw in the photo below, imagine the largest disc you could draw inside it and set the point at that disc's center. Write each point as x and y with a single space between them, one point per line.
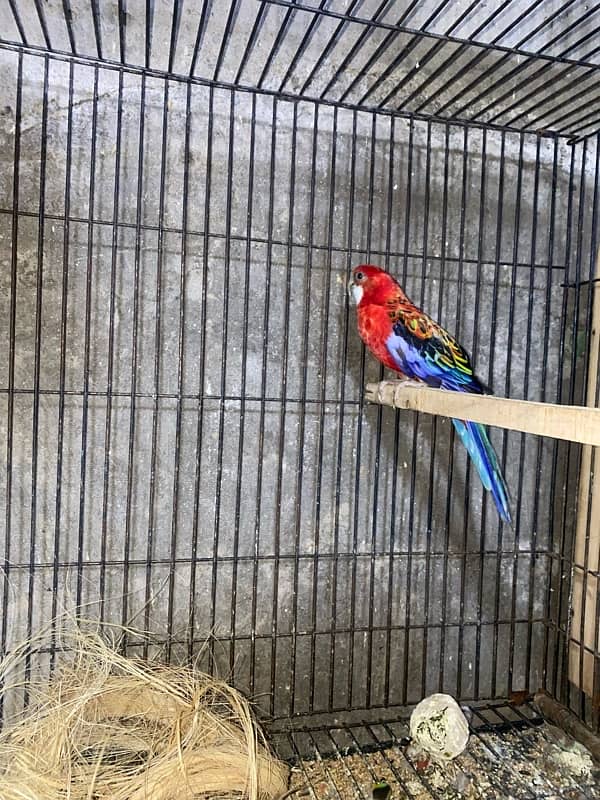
106 726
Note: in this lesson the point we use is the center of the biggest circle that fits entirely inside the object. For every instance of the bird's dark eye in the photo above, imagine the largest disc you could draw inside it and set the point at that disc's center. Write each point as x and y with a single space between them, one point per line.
359 276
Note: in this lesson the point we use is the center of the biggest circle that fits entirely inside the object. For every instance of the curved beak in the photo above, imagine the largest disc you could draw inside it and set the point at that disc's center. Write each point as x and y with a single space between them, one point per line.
355 292
350 289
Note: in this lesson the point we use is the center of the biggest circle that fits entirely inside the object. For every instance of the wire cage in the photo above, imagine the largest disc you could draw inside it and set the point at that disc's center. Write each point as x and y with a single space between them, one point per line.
184 189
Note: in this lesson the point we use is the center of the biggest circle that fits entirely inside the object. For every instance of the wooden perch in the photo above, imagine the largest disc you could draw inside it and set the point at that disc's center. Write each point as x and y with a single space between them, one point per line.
565 719
573 423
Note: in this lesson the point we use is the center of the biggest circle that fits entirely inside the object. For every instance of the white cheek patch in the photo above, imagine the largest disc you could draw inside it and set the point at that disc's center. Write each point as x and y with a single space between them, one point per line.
357 293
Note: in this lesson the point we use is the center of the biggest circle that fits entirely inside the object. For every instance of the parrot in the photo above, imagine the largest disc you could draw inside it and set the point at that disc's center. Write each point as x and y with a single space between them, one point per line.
408 341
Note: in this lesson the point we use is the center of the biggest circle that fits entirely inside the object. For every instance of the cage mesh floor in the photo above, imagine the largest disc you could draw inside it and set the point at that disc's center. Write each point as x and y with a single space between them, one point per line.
512 753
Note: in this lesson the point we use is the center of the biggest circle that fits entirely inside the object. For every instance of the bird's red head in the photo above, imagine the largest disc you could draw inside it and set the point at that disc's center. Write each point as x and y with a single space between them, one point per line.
371 284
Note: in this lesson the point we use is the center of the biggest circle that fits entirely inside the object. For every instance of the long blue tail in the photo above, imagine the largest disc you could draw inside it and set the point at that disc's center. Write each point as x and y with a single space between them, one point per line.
474 437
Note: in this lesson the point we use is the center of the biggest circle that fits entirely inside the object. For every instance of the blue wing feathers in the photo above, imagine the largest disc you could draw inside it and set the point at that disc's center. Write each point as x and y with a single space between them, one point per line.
474 437
428 361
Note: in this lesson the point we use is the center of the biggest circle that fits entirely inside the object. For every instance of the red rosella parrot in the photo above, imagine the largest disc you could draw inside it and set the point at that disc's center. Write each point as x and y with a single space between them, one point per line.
406 340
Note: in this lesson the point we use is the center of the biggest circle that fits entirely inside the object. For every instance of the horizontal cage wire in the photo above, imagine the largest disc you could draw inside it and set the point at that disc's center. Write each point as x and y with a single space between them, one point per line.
187 449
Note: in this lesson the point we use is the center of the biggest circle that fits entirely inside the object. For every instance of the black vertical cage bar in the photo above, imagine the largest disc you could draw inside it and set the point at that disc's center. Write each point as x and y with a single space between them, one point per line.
175 24
225 39
63 359
357 487
148 39
333 669
87 341
507 393
300 49
111 331
395 451
324 338
202 370
242 433
261 438
18 22
560 691
333 41
546 347
302 410
97 29
465 527
492 340
225 340
433 437
378 432
43 24
444 629
41 222
223 382
413 455
529 336
180 365
68 15
202 22
284 362
137 258
467 507
122 18
105 534
12 325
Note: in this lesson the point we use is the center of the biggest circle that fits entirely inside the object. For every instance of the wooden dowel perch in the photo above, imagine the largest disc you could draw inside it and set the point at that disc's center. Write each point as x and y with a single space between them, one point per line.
573 423
563 718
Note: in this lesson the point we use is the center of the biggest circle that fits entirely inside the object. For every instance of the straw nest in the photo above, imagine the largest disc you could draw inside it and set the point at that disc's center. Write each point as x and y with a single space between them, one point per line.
106 726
